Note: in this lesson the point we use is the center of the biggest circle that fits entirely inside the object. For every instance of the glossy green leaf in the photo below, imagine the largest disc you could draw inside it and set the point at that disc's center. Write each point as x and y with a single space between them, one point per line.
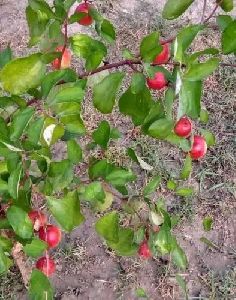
223 21
101 135
55 77
161 128
150 47
168 102
204 116
152 185
125 245
195 56
189 99
22 74
5 262
226 5
14 181
182 143
91 50
207 223
20 121
66 211
108 227
136 106
74 152
35 248
42 6
120 176
34 130
20 222
163 240
52 132
200 71
209 137
175 8
138 83
5 244
184 40
105 204
104 93
155 113
187 168
107 31
228 39
40 287
184 192
5 56
93 192
179 257
49 41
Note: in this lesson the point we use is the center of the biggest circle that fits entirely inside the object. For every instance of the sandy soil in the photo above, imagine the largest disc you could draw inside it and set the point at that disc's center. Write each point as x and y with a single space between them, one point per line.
85 268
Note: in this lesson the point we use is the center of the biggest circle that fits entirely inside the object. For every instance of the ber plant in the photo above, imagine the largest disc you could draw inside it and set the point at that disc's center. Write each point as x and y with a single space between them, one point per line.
41 103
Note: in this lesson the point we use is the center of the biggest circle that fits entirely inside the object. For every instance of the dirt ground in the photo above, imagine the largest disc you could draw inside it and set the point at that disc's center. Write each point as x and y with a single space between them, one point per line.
85 268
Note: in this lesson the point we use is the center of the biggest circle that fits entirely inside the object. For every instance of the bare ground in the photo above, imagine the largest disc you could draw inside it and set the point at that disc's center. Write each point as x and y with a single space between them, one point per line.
85 268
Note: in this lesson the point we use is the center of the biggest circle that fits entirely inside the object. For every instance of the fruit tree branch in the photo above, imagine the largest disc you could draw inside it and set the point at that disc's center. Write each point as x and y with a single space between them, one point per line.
213 11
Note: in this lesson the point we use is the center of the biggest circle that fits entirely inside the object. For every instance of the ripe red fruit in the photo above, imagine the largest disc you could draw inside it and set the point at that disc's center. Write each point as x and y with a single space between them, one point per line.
46 265
164 56
38 219
158 82
144 250
183 127
87 19
65 61
51 235
199 148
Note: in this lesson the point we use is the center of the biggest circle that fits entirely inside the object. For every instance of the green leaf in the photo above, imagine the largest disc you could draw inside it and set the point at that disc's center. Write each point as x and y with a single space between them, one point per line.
5 244
74 152
207 223
179 257
226 5
150 47
93 192
51 132
187 168
155 113
40 287
101 135
209 243
104 93
115 134
223 21
209 137
200 71
140 293
204 116
161 128
55 77
228 39
107 31
105 204
189 99
22 74
61 174
168 102
136 106
42 6
184 40
138 83
125 245
5 262
37 23
34 130
35 248
171 185
49 41
120 176
66 211
192 59
127 54
163 240
14 181
5 56
138 160
184 192
182 283
152 185
20 222
108 227
20 122
175 8
91 50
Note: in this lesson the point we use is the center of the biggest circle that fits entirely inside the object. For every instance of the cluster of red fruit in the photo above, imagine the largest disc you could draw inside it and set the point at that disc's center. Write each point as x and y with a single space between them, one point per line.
48 233
85 20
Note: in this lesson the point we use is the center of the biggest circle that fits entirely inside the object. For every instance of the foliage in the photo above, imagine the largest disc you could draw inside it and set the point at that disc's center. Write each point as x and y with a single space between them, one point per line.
44 108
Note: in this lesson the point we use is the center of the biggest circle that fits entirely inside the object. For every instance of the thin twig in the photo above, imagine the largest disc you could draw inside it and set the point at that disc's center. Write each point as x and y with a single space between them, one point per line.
213 11
204 10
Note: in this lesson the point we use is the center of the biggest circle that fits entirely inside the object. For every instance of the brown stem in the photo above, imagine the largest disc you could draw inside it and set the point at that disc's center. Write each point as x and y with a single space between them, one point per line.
204 10
213 11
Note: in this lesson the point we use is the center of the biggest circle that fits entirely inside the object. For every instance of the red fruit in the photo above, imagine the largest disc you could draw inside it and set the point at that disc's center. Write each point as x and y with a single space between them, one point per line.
51 235
158 82
164 56
199 148
65 61
38 219
183 127
46 265
144 250
87 19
